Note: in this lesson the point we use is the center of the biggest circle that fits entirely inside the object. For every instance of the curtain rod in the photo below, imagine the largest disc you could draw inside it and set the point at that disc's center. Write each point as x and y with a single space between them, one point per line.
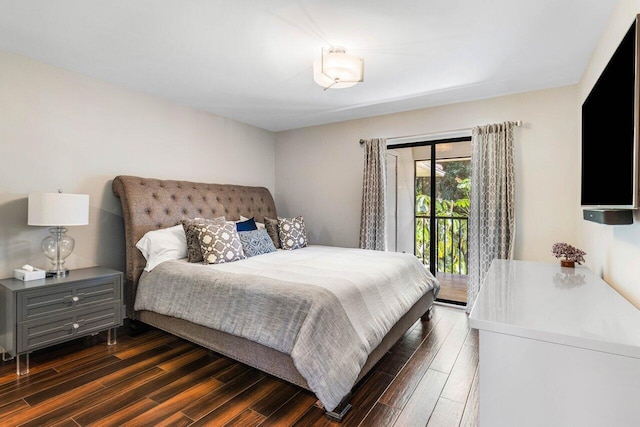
516 123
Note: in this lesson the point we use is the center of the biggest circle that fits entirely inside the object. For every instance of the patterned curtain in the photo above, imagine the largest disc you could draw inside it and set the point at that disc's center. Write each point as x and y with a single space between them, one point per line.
492 213
374 189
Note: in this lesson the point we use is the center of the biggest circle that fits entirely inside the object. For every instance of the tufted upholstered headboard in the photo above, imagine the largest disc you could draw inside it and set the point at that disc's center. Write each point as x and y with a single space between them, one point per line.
150 204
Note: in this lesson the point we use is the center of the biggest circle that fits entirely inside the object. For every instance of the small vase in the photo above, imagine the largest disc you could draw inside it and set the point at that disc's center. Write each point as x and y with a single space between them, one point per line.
565 263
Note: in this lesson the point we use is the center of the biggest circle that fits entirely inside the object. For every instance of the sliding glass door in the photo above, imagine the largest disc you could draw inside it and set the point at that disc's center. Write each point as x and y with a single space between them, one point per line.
391 220
442 185
436 232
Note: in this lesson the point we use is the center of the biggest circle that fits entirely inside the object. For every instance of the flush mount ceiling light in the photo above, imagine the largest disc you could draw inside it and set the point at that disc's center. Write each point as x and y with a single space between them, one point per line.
336 69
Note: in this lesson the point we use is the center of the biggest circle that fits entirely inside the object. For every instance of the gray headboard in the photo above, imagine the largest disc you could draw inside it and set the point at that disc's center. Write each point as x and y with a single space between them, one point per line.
150 204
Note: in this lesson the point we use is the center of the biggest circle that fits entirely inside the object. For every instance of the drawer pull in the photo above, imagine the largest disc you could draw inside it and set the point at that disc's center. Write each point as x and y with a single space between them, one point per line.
75 299
76 325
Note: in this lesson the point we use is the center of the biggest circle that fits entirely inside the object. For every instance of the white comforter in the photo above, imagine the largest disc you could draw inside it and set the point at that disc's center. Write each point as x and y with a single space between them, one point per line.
375 288
327 307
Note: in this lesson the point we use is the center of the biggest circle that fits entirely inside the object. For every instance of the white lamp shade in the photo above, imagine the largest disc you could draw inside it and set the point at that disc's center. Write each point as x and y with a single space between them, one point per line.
58 209
337 69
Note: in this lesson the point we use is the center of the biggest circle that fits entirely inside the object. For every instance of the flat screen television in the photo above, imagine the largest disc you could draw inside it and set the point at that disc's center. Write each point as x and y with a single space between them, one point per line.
610 132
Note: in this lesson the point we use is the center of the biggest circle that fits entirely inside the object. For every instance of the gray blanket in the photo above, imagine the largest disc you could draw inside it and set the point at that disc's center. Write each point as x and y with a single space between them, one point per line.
328 339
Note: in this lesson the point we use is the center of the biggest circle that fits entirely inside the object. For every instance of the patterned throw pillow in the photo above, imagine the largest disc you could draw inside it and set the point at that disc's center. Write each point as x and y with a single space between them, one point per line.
219 243
256 242
271 225
292 233
194 253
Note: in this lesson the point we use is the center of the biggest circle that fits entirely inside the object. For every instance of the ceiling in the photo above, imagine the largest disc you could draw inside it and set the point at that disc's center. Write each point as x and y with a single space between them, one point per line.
252 61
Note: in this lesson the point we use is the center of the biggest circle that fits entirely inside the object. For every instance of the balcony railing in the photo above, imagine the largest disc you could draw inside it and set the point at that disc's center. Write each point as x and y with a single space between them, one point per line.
452 243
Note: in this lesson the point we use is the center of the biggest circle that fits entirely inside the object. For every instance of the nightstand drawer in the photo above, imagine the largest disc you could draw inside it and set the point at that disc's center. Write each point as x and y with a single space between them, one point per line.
60 298
48 330
98 291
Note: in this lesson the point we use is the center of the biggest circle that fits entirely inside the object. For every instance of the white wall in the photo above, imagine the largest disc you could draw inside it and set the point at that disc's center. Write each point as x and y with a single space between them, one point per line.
62 130
613 252
319 169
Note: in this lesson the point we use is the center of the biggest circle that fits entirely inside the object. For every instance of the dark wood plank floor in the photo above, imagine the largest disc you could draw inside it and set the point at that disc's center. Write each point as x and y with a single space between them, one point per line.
453 287
428 378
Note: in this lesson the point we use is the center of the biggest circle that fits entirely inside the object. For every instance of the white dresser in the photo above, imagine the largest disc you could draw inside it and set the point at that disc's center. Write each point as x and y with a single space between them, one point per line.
558 347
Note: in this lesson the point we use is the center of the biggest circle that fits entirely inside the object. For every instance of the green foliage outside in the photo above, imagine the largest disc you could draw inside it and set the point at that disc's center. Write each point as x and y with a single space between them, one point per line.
452 210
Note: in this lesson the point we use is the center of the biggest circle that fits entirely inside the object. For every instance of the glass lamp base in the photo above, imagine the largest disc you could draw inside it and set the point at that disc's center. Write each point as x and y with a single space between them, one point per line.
57 273
57 247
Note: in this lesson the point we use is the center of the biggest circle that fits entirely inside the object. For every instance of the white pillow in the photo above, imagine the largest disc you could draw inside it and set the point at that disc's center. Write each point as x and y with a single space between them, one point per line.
260 225
163 245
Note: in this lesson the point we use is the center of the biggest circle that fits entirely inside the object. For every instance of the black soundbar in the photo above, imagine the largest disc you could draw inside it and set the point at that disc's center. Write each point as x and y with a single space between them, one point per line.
609 216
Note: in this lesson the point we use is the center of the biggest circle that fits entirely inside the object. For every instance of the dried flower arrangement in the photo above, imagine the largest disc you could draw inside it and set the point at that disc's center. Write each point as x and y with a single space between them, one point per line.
568 252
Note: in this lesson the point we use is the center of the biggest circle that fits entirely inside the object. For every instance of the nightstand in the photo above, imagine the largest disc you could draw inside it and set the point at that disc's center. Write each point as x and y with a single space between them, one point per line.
39 313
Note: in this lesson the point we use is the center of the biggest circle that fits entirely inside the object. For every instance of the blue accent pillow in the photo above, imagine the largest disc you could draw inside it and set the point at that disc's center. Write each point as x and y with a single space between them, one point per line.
256 242
247 225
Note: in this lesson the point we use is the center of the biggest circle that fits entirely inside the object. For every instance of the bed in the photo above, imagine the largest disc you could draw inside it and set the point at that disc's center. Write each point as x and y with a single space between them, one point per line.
331 332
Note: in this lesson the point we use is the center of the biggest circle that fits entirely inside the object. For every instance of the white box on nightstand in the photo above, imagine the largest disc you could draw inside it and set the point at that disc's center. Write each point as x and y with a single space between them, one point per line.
25 275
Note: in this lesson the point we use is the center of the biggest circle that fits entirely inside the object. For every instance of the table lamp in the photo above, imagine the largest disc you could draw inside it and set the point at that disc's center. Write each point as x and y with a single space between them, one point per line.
58 210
